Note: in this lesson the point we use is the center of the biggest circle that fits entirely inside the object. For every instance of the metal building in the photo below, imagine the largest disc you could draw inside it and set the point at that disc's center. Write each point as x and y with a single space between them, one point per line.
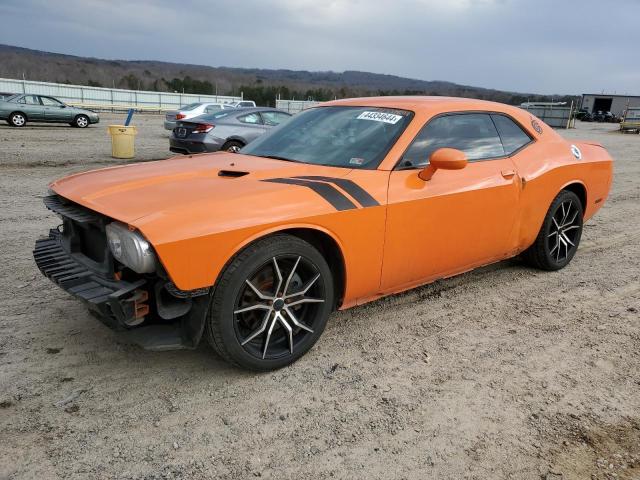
554 114
615 104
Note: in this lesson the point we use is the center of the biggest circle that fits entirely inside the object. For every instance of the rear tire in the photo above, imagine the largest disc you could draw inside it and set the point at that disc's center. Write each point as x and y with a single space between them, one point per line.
261 320
559 236
233 146
17 119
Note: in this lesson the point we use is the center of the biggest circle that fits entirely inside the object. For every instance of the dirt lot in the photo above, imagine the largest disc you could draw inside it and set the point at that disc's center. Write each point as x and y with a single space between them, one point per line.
504 372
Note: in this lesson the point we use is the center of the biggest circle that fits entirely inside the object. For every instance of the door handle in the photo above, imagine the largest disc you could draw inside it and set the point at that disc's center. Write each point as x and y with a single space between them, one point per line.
508 173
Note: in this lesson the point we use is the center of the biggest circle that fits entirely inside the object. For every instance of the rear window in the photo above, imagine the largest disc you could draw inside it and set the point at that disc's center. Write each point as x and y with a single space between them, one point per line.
216 116
191 106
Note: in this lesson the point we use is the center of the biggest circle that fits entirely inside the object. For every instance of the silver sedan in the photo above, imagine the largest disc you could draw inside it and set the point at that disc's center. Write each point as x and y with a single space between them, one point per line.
193 110
224 130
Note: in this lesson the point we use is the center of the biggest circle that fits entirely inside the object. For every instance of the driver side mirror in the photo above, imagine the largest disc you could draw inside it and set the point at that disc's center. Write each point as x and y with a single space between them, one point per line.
443 159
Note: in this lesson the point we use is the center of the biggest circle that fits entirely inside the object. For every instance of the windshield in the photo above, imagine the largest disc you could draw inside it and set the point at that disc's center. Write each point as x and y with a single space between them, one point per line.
352 137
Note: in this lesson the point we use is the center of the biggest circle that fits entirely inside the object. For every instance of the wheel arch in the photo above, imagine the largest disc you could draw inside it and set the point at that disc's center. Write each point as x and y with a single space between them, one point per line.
21 113
328 246
234 138
323 240
580 190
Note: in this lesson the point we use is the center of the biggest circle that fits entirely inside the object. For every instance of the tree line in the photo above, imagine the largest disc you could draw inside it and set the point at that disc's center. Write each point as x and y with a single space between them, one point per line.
265 95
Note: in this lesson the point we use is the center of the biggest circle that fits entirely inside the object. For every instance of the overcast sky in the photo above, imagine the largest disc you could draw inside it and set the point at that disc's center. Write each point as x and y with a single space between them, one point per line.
535 46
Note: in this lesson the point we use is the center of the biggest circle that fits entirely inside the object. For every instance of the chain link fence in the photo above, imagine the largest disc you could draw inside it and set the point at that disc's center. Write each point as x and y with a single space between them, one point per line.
114 99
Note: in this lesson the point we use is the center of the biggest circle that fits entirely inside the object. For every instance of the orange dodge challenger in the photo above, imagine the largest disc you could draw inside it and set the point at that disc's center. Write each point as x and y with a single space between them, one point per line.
342 204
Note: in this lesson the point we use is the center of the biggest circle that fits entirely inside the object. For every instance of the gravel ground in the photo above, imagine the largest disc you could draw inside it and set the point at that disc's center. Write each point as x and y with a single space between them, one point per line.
503 372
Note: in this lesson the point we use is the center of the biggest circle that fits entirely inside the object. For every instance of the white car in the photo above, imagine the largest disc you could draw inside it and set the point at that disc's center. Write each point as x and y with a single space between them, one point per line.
194 110
245 104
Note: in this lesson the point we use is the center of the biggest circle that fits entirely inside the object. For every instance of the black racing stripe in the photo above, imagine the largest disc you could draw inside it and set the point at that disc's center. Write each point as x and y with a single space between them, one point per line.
328 192
356 191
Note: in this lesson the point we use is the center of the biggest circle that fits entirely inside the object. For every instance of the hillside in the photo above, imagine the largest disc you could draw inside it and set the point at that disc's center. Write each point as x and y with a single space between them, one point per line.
261 85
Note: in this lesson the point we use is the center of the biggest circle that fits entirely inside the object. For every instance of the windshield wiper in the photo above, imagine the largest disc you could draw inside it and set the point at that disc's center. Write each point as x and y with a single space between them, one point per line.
276 157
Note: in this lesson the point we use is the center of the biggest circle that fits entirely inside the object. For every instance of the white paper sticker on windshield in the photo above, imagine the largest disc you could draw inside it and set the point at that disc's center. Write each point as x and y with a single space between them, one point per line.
380 117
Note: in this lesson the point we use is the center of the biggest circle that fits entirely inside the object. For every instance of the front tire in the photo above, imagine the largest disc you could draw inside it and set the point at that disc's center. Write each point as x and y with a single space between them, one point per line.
271 303
559 236
17 119
81 121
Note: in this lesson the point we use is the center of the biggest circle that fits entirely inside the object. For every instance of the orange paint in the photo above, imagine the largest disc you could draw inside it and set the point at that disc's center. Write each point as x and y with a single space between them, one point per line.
458 219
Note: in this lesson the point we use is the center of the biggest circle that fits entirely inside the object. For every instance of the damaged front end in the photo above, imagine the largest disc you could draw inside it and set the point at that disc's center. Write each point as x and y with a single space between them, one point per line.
129 292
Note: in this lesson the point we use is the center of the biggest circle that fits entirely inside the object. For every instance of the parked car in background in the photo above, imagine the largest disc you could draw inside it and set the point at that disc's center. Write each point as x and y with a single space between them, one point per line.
224 130
631 120
193 110
600 117
245 104
5 95
20 109
580 114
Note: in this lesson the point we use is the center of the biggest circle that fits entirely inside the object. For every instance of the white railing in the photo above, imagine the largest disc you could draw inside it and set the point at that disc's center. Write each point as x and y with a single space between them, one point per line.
110 98
294 106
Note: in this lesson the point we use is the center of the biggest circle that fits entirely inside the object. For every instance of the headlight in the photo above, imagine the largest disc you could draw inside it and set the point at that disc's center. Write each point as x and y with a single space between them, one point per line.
130 248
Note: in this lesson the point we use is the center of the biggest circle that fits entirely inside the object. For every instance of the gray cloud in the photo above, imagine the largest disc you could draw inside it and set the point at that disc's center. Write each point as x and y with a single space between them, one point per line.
544 46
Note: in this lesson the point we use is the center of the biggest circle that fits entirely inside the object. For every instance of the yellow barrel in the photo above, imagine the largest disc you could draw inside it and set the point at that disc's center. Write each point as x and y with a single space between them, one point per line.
122 141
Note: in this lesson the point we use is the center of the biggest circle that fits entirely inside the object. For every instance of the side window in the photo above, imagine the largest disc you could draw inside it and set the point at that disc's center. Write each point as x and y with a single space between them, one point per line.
511 134
274 118
252 118
213 108
473 133
30 100
50 102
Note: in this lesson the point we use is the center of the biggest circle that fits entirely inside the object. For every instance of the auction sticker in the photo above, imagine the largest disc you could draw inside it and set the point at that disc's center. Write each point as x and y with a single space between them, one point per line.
380 117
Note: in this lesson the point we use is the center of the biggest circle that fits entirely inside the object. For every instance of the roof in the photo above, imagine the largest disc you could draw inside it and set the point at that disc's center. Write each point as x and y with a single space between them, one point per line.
254 109
423 103
609 95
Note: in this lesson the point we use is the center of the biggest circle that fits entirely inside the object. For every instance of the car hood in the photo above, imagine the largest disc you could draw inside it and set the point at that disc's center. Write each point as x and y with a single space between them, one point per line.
232 189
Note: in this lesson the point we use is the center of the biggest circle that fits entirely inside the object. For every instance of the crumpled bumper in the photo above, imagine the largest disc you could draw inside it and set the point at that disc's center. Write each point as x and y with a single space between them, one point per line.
116 303
119 304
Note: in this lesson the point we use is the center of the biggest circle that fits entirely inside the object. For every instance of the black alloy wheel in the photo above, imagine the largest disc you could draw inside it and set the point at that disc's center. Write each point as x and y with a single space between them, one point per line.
271 303
559 237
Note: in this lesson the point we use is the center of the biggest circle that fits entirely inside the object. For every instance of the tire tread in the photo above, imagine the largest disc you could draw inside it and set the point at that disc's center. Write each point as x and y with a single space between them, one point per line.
213 329
536 255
